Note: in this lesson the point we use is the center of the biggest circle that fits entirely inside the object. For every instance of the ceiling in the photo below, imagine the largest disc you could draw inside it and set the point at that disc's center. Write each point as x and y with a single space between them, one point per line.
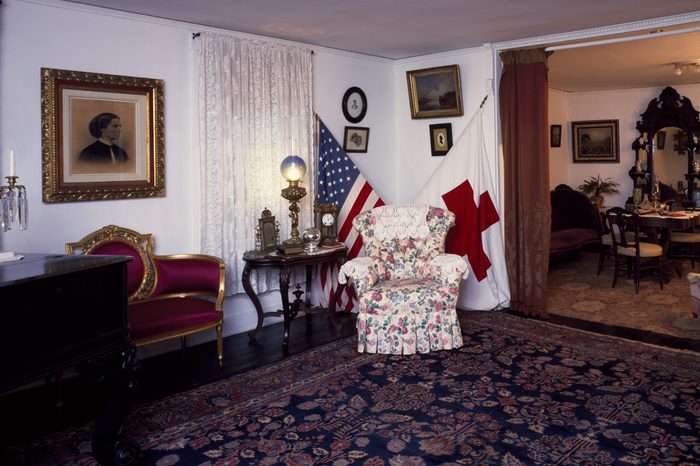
396 29
638 63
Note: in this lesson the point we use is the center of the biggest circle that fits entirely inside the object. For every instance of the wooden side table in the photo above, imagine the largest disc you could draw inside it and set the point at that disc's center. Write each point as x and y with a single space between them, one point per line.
285 264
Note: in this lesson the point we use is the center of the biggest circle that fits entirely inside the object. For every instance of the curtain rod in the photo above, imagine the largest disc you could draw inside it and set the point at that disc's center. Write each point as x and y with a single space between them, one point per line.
196 34
621 39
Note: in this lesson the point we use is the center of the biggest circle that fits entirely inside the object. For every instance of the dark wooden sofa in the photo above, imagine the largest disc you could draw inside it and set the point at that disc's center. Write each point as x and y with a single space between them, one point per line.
576 222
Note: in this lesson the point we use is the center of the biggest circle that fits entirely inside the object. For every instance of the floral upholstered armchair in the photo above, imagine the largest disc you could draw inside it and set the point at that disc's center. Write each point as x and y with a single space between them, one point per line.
407 286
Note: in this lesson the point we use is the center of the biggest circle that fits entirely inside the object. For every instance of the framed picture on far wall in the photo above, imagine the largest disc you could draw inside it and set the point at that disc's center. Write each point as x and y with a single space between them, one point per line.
102 136
555 136
596 141
440 139
356 139
435 92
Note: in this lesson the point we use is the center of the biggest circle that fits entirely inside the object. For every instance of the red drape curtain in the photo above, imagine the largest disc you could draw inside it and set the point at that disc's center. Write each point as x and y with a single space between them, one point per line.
523 110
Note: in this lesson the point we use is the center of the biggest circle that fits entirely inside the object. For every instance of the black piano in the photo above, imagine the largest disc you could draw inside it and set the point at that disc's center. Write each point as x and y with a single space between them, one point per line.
63 311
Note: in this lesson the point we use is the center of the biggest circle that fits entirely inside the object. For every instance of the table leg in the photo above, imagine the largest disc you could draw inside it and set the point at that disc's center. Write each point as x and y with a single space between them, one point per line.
284 291
256 302
664 240
309 278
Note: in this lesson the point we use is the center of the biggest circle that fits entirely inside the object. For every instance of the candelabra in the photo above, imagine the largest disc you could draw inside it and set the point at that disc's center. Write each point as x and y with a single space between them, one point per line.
13 198
293 168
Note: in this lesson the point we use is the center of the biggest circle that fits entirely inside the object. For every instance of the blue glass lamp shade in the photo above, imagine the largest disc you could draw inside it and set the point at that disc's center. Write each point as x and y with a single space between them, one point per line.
293 168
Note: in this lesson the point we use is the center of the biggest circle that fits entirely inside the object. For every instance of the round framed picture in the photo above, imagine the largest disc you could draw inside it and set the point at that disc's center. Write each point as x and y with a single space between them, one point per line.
354 105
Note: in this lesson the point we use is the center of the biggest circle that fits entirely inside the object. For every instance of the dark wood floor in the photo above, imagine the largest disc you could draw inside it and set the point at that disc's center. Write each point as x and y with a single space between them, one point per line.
32 413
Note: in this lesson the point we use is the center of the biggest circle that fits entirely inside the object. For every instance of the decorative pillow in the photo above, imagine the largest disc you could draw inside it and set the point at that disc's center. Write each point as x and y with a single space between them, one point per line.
401 258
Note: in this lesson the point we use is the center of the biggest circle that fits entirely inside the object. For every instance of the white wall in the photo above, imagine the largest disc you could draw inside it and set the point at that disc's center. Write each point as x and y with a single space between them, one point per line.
39 35
334 73
416 163
53 34
559 157
625 105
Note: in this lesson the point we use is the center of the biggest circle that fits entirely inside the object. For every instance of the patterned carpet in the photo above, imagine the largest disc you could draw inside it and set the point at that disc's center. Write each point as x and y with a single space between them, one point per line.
576 291
518 392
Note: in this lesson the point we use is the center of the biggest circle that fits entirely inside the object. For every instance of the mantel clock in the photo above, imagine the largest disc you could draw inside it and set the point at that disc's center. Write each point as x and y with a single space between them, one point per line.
327 222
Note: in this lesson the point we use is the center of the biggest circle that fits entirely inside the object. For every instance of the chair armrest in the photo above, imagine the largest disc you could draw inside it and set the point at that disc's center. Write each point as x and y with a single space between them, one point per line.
189 274
449 269
361 271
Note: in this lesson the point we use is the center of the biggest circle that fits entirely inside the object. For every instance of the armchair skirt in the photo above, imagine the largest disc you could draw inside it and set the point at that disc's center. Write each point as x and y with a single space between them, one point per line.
408 316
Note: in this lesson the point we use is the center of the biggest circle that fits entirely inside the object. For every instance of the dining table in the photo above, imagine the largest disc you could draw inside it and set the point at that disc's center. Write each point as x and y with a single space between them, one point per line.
657 225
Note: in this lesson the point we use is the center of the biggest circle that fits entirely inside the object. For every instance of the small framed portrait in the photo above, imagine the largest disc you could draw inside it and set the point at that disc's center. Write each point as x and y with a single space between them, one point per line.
267 232
102 136
435 92
354 105
596 141
555 136
356 139
440 139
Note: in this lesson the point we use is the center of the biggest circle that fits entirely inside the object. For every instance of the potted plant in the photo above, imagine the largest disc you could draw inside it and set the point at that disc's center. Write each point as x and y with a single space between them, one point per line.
595 187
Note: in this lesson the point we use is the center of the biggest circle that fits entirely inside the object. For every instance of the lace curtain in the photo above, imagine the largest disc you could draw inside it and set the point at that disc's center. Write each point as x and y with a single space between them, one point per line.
255 108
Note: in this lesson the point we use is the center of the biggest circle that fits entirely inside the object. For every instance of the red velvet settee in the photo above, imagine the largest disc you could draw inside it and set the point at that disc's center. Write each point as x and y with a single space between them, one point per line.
169 296
576 222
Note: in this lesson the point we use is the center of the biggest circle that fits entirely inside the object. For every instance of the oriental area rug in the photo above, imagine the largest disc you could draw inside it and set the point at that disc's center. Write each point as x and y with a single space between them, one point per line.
518 392
574 290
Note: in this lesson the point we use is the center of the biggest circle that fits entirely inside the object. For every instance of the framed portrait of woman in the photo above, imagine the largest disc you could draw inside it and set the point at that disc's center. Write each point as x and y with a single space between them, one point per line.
102 136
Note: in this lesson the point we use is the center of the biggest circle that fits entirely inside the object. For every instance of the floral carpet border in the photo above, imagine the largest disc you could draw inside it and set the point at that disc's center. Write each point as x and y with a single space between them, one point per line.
186 413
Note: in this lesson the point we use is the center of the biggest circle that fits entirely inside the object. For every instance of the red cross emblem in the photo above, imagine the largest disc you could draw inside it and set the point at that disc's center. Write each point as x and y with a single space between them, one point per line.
465 236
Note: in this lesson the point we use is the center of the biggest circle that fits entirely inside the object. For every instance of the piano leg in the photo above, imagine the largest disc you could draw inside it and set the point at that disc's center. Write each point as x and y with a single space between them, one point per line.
108 445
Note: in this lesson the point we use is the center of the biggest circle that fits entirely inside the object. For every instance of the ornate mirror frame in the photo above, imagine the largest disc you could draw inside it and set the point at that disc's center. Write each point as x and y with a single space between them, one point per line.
670 109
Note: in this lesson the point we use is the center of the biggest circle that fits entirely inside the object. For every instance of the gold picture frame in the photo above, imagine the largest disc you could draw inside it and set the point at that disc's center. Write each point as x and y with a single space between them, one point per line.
78 111
596 141
435 92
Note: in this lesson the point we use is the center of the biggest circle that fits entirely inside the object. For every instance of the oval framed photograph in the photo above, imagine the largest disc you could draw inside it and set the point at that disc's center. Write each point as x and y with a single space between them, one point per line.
354 105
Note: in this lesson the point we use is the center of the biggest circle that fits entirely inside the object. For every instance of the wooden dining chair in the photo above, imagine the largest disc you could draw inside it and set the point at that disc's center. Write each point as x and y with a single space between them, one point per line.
685 245
632 256
606 245
606 241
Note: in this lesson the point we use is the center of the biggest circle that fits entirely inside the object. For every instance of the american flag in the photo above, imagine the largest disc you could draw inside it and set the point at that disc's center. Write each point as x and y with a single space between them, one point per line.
341 183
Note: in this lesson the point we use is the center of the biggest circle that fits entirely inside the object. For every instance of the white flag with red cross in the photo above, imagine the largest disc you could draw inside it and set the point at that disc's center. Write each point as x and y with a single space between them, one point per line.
462 184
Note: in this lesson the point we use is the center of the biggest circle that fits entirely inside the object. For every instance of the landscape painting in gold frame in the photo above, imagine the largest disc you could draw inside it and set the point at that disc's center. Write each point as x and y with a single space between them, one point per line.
435 92
102 136
596 141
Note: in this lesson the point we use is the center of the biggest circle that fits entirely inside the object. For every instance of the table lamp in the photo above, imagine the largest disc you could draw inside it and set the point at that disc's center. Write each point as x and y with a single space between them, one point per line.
293 168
